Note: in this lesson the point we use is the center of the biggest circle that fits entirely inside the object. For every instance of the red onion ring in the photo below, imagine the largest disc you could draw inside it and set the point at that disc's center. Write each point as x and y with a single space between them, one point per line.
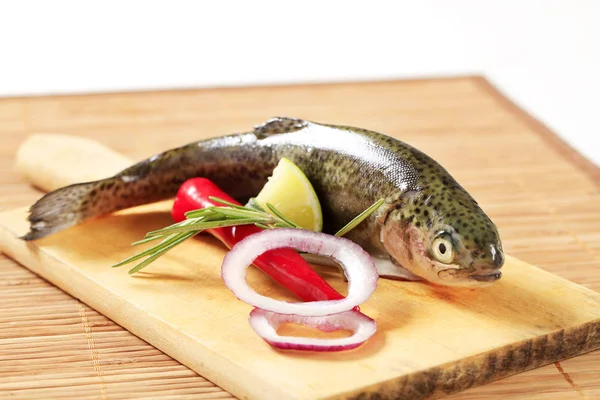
357 265
265 324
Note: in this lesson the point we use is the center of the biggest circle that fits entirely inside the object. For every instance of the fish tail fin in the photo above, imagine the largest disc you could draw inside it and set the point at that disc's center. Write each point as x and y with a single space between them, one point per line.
70 205
63 208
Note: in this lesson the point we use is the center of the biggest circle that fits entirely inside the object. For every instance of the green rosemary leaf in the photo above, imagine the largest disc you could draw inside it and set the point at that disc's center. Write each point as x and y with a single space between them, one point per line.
201 213
180 238
281 216
237 213
147 239
232 205
253 204
186 222
148 251
359 218
263 226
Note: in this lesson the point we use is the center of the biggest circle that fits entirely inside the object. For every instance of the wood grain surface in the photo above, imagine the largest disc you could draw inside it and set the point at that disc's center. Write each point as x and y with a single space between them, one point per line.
544 202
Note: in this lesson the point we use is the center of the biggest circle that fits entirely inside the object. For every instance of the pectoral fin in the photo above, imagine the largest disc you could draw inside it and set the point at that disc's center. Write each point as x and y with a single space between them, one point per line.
390 270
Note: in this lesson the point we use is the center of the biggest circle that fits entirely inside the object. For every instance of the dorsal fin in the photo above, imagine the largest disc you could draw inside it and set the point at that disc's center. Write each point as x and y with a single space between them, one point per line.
278 125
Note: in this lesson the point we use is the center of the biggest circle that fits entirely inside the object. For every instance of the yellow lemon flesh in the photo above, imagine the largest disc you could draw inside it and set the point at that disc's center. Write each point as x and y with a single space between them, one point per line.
292 194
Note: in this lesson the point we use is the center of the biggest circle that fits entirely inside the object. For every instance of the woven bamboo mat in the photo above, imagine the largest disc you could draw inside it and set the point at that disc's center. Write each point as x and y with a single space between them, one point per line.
543 196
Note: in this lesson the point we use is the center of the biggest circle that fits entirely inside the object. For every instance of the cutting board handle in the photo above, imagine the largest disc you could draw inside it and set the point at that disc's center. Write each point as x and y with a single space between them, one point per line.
51 161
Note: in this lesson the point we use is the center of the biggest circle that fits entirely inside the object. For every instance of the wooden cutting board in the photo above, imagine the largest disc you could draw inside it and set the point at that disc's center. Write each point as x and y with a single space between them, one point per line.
431 340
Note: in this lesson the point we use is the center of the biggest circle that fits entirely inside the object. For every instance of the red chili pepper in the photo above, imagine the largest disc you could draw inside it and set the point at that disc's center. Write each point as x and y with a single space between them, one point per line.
285 266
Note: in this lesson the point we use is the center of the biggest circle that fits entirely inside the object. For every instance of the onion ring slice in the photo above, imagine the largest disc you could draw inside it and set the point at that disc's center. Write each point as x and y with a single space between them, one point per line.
357 265
265 324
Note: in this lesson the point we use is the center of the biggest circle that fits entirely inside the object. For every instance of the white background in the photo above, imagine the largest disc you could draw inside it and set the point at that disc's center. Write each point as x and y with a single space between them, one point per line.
543 54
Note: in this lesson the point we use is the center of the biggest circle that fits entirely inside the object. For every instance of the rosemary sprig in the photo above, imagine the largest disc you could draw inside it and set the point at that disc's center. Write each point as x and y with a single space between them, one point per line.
217 217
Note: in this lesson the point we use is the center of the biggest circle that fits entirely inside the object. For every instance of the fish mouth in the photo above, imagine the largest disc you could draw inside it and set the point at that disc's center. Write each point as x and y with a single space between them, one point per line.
487 277
477 278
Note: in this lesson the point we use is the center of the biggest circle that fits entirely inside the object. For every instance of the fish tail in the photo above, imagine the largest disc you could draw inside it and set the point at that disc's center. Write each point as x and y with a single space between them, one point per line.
60 209
70 205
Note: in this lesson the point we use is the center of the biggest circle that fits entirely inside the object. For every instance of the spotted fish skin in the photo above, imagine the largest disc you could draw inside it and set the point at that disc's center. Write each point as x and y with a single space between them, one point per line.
349 167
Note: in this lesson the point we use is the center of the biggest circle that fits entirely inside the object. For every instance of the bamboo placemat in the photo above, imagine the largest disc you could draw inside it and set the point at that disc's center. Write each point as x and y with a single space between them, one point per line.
543 195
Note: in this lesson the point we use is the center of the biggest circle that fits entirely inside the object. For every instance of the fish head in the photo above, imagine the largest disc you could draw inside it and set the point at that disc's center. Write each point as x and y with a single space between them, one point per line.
450 243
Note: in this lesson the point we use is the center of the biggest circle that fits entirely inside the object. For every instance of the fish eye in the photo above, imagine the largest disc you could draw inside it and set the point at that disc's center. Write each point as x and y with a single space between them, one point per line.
442 250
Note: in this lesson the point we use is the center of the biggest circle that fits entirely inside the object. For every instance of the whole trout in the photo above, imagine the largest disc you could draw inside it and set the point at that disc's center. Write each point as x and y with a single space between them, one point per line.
429 227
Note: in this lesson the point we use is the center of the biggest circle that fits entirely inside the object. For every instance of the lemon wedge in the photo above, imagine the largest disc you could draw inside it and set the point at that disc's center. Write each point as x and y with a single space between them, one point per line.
292 194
